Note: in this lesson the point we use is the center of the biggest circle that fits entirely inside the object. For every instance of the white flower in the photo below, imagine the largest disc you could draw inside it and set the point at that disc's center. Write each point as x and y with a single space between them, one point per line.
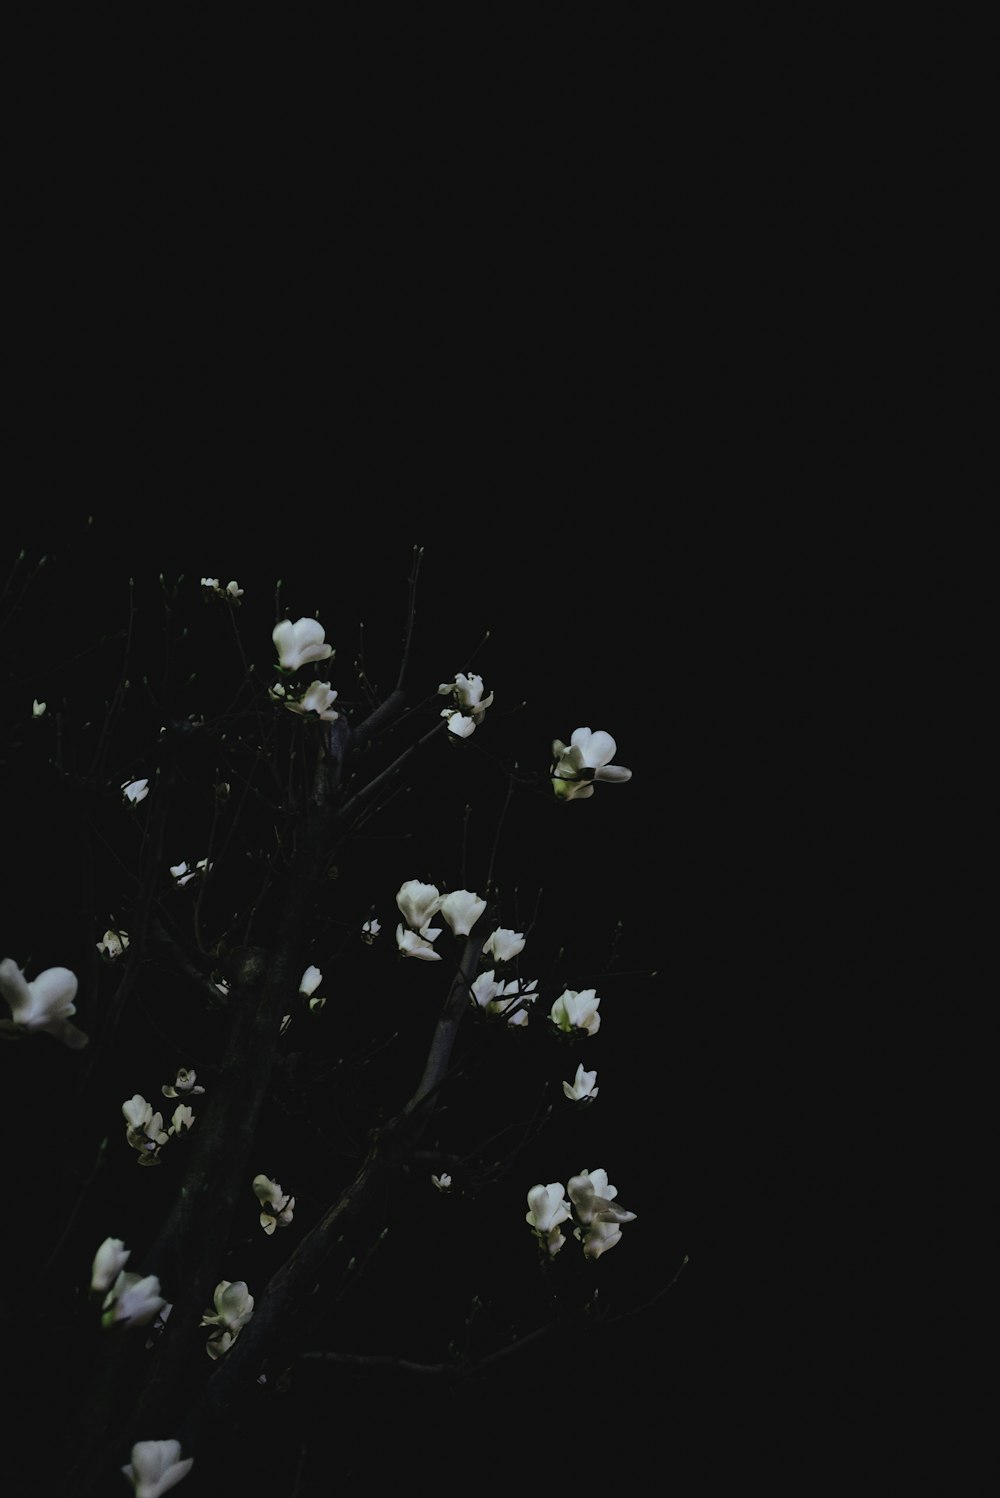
585 759
411 944
370 930
310 981
418 903
156 1467
547 1208
113 944
462 909
144 1129
38 708
109 1261
182 1119
317 700
470 704
442 1182
135 790
234 590
134 1299
577 1011
593 1199
183 875
270 1194
317 1002
484 990
299 643
44 1004
599 1237
233 1309
183 1083
504 945
210 582
582 1086
513 999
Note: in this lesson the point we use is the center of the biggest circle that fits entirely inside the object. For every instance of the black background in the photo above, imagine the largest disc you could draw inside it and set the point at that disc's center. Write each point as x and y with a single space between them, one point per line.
620 390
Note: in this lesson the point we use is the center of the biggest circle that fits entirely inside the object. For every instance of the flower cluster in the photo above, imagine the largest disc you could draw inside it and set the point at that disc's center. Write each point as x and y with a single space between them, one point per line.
232 591
469 704
131 1299
144 1129
586 758
44 1004
591 1206
419 903
233 1309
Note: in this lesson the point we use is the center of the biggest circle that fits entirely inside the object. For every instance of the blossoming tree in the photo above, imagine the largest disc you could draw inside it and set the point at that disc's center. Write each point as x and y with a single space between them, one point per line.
311 1018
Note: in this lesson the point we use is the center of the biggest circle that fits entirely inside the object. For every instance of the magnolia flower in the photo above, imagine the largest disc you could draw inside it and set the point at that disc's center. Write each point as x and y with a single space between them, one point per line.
418 903
233 1309
412 944
582 1087
156 1467
234 590
183 1084
135 790
593 1199
598 1238
44 1004
442 1182
310 981
210 582
370 930
504 945
38 708
317 1002
144 1129
133 1300
577 1011
462 909
484 990
583 760
512 1000
183 874
109 1261
113 944
470 704
299 643
318 700
547 1208
270 1194
182 1119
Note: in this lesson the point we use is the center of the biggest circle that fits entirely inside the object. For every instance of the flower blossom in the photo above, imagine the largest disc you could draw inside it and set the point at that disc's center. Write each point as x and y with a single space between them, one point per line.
597 1213
547 1208
144 1129
112 944
470 704
418 903
577 1011
317 701
44 1004
582 1088
38 708
233 1309
504 945
133 1300
415 944
270 1195
583 760
109 1261
135 790
181 1119
370 930
183 874
512 1000
299 643
156 1467
184 1083
462 909
310 981
443 1181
